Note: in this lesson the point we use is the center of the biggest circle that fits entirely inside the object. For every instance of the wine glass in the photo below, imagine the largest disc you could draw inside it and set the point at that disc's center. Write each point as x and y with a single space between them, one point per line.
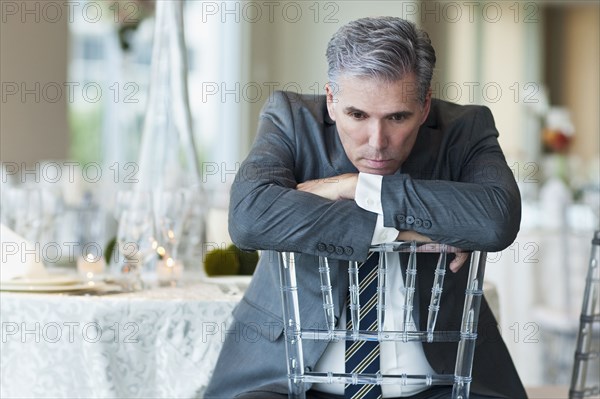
26 212
171 209
136 239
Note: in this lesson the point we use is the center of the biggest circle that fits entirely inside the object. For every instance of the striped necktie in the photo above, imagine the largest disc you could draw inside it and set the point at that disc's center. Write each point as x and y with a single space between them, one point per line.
363 356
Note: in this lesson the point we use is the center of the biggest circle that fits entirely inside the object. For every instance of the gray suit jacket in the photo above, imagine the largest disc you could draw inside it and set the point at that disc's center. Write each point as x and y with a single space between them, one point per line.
455 188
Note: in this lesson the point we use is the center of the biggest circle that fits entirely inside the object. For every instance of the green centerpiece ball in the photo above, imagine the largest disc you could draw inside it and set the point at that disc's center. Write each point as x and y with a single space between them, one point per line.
221 262
248 260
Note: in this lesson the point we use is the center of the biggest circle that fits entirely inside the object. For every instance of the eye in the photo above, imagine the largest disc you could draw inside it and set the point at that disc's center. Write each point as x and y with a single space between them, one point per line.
357 115
398 117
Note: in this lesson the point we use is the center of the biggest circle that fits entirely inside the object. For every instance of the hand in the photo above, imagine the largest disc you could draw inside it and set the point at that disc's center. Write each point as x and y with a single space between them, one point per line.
409 235
459 256
333 188
458 261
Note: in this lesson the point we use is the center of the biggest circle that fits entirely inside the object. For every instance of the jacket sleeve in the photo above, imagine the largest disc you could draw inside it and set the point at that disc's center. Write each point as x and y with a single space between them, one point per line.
479 211
267 212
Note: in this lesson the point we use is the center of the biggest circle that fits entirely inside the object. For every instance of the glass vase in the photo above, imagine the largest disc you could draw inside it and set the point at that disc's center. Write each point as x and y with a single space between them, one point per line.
168 158
168 161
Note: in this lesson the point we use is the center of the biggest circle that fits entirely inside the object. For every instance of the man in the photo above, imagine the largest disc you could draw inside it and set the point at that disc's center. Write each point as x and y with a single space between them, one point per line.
375 160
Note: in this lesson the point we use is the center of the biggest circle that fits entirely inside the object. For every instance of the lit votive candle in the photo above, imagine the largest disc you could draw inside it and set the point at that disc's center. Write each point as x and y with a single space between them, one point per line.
90 265
169 271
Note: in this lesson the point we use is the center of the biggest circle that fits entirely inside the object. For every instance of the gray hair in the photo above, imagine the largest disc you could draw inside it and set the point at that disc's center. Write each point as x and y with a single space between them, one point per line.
385 48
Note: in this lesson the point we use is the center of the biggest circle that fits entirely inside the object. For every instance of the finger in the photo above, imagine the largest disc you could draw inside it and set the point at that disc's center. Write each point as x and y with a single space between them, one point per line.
458 261
409 235
307 186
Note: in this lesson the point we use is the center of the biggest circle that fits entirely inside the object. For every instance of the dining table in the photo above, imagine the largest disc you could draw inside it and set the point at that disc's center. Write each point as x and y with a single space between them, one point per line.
161 342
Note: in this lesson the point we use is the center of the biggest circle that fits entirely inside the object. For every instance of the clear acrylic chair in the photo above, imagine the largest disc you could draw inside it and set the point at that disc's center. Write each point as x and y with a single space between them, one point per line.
466 337
588 329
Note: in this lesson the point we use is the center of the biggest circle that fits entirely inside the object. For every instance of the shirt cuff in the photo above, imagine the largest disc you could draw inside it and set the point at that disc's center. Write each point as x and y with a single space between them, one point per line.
383 234
368 192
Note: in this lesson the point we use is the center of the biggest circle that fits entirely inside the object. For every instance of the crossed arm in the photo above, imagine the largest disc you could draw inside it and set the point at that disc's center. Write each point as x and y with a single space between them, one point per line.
343 187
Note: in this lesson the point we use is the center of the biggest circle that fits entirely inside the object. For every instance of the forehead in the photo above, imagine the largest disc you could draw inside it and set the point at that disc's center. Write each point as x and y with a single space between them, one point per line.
367 92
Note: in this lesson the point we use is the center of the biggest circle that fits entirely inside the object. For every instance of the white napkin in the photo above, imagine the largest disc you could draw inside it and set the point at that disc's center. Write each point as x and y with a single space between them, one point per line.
17 257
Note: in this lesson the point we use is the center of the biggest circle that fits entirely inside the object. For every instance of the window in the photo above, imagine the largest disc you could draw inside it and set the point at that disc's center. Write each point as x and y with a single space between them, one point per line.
107 128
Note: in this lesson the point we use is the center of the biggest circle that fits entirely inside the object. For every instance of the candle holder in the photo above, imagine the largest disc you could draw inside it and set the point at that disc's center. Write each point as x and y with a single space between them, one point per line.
91 266
169 272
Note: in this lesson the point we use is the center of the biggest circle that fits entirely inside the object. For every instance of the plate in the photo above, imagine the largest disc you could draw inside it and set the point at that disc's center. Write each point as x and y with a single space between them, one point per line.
79 286
240 281
51 280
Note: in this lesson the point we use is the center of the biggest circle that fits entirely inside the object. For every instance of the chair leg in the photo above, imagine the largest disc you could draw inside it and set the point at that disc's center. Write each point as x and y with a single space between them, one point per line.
468 329
589 316
291 320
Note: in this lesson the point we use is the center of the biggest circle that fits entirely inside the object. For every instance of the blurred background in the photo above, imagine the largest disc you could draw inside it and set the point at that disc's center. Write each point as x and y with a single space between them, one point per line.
75 79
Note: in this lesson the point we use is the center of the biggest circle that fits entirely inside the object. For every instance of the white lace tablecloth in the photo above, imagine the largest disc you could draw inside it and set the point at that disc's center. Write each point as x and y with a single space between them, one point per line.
160 343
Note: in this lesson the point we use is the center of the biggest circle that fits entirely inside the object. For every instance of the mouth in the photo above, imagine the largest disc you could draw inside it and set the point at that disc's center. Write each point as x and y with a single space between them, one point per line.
378 163
379 166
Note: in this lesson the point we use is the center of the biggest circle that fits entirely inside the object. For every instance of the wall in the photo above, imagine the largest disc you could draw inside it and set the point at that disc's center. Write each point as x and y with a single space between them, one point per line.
580 78
33 126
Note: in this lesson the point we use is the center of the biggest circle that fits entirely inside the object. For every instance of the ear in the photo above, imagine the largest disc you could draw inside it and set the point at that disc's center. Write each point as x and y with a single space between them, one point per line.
426 107
330 100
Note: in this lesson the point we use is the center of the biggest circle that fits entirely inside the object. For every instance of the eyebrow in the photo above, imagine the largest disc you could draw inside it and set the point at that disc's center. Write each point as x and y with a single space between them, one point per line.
404 114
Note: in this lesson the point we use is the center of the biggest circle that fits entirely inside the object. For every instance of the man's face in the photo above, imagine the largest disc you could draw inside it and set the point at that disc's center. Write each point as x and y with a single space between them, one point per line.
377 122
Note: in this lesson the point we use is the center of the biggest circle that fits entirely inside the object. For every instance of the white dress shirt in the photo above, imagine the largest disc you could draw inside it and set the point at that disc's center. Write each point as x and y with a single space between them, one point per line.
395 357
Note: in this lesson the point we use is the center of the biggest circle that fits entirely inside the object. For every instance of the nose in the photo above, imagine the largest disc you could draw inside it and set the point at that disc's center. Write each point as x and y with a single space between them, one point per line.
377 137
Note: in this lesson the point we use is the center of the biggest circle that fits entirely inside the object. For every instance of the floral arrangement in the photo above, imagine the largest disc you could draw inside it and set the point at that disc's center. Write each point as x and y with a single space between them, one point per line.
558 131
557 128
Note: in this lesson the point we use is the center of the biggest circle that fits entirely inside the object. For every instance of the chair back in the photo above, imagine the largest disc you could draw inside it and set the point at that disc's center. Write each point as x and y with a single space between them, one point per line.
466 337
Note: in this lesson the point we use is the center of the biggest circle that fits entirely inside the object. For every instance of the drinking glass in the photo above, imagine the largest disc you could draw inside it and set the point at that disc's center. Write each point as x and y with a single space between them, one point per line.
171 210
25 213
136 239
